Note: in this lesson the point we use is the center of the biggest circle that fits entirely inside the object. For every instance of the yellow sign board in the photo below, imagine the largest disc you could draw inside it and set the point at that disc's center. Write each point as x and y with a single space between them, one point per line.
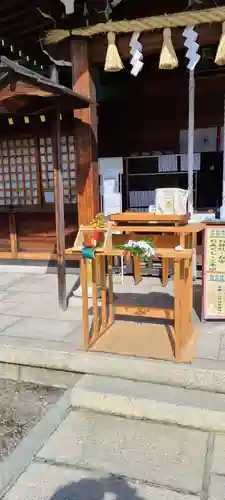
214 272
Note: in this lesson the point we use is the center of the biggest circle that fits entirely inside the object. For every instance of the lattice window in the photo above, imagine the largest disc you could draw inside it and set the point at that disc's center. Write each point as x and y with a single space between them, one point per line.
68 167
18 172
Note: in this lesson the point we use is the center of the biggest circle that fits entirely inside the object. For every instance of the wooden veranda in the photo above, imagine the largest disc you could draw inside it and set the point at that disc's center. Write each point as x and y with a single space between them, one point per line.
24 90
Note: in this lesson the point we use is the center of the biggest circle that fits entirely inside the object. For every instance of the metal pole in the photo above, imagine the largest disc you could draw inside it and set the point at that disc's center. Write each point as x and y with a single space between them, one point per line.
191 133
191 129
59 210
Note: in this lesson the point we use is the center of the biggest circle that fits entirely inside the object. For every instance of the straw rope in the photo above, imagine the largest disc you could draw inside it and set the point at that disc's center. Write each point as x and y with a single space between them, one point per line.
180 19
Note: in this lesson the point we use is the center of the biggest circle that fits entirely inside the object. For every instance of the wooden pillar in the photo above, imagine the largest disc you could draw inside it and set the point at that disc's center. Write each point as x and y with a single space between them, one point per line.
13 235
85 135
59 210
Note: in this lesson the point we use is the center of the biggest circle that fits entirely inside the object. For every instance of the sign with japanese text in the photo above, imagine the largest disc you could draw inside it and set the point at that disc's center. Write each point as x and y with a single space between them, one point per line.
214 272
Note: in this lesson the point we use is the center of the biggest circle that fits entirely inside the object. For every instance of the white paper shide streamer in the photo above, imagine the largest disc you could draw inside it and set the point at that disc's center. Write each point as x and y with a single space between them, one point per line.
190 43
136 54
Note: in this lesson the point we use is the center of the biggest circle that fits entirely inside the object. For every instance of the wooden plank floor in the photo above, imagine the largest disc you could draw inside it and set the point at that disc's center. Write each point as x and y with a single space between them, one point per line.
146 340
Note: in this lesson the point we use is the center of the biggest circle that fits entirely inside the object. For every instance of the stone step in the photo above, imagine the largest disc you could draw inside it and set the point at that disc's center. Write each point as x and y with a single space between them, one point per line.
206 375
148 401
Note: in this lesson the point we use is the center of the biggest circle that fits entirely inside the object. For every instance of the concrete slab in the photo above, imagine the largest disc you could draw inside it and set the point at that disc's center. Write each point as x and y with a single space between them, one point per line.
38 328
222 345
156 392
208 345
216 488
159 454
3 295
9 371
206 375
7 306
23 349
221 356
7 280
7 321
43 309
218 464
31 297
36 296
49 482
154 402
38 283
49 378
24 268
213 327
35 286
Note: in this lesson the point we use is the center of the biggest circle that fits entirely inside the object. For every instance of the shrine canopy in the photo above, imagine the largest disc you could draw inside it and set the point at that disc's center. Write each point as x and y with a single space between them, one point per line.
21 90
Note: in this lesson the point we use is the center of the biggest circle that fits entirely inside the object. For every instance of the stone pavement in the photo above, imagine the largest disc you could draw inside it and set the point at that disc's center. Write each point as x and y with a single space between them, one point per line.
94 456
29 314
89 452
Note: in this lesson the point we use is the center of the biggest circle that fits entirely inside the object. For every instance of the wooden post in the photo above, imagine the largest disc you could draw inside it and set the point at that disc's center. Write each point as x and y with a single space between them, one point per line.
103 293
110 277
137 269
165 270
95 301
85 322
177 307
13 235
85 135
59 210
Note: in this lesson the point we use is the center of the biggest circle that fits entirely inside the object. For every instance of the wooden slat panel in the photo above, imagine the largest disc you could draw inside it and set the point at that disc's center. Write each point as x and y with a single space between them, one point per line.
19 171
36 232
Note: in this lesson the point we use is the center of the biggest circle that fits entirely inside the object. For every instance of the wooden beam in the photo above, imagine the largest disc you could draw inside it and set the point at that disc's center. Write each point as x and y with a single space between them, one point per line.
85 135
143 311
152 41
148 217
59 210
44 256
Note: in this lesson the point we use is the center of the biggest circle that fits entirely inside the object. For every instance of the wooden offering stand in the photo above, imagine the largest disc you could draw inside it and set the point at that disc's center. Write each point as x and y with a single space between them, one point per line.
180 314
167 231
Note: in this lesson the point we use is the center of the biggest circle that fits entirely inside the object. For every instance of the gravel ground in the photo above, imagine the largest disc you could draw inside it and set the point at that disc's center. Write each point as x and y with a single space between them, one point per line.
22 405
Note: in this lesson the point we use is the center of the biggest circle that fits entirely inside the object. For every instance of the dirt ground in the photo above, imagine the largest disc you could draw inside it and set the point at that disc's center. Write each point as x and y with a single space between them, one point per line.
22 405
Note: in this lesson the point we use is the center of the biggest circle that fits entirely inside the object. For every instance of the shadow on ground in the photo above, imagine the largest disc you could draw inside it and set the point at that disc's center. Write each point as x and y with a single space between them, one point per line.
108 488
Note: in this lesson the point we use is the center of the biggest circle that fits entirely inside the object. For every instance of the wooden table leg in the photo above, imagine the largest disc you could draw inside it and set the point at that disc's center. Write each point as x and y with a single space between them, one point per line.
85 323
137 269
194 258
95 300
189 292
177 308
110 275
165 270
103 293
183 303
